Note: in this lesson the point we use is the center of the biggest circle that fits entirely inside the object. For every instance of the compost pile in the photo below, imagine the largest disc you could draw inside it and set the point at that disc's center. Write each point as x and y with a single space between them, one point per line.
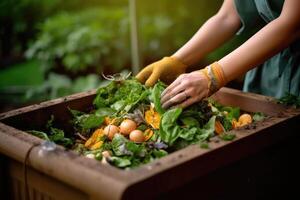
128 127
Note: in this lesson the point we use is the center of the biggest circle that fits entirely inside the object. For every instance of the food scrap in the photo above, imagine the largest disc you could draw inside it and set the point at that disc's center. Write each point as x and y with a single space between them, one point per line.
128 126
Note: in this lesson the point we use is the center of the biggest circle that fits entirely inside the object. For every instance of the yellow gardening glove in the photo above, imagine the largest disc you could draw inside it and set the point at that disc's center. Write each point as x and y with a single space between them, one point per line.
166 70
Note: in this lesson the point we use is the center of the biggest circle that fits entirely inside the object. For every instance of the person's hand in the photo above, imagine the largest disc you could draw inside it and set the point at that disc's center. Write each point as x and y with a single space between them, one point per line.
166 70
186 90
190 88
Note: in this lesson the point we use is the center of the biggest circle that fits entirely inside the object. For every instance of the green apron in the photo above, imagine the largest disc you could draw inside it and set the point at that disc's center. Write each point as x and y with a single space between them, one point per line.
281 73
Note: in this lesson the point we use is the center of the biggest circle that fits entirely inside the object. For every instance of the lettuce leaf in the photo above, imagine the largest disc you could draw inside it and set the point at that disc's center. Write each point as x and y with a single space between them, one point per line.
169 130
156 96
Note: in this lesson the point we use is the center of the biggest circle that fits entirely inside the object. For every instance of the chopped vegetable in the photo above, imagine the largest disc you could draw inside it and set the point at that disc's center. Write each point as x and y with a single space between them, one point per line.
219 127
148 134
98 133
128 126
245 119
152 118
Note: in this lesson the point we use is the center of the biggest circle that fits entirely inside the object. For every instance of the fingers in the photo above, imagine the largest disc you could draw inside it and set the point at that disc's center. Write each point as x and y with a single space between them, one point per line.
175 100
153 78
171 93
188 102
193 99
173 85
144 74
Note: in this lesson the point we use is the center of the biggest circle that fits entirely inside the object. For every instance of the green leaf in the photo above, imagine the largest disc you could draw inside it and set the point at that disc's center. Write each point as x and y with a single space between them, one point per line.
190 121
119 105
120 162
258 116
155 96
226 122
91 121
227 136
50 122
189 133
75 113
137 149
105 112
159 153
169 130
56 134
233 112
207 131
39 134
119 145
290 100
123 96
204 145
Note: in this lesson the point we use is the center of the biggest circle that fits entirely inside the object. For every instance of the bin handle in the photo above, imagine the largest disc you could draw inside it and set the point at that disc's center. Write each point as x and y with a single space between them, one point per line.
25 164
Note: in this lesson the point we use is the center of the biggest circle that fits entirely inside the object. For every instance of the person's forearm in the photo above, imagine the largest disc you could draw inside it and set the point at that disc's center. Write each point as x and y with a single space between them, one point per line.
270 40
217 30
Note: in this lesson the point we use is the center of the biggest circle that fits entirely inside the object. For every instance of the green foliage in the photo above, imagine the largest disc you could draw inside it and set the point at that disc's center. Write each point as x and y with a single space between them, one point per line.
227 136
127 154
155 96
39 134
290 100
169 130
86 38
121 99
97 38
23 74
258 116
60 85
53 134
121 96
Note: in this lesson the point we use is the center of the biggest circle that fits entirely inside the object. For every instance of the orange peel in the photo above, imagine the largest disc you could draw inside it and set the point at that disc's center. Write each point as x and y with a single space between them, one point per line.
152 118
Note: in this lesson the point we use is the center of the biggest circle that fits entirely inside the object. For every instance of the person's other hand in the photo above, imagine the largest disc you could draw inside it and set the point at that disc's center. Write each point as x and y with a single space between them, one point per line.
166 70
193 87
186 90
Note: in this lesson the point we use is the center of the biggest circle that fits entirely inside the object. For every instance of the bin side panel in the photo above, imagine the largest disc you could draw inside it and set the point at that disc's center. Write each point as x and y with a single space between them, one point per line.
40 186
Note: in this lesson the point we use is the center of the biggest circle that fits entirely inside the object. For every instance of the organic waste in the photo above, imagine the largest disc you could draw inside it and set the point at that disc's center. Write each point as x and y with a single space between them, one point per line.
128 127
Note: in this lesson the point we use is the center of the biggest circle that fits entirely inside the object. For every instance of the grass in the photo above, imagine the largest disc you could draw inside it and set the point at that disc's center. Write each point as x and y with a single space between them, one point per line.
24 74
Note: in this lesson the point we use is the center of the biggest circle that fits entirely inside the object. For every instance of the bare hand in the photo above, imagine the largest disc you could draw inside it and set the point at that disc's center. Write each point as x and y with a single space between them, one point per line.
186 90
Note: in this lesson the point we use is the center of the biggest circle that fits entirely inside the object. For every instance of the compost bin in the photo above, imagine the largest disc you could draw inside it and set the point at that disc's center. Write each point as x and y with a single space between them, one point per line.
27 170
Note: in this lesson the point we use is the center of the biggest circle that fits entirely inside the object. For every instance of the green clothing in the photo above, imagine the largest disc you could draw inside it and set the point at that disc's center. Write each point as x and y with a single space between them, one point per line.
281 73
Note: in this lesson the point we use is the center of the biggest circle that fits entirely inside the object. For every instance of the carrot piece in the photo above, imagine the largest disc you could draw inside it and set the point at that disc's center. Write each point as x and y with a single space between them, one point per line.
148 134
219 129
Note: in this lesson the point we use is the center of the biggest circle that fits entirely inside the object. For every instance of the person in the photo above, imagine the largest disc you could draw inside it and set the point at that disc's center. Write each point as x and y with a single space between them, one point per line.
272 54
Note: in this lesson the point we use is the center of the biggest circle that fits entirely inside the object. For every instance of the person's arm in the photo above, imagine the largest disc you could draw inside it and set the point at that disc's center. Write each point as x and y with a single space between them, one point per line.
270 40
274 37
212 34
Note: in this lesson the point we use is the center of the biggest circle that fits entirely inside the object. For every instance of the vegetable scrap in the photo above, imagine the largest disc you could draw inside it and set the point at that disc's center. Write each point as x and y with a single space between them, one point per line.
128 127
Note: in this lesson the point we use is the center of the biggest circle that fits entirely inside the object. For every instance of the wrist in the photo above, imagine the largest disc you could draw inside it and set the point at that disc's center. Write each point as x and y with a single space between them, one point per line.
215 76
178 62
181 58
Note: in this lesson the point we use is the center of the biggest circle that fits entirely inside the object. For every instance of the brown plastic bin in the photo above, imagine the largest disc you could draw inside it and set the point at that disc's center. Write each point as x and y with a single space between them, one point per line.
63 174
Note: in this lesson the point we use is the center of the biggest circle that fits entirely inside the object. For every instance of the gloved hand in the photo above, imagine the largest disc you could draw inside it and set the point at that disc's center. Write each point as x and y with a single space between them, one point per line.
190 88
166 70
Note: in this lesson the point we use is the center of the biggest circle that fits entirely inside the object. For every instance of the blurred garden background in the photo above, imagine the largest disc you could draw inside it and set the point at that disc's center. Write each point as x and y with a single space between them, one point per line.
53 48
